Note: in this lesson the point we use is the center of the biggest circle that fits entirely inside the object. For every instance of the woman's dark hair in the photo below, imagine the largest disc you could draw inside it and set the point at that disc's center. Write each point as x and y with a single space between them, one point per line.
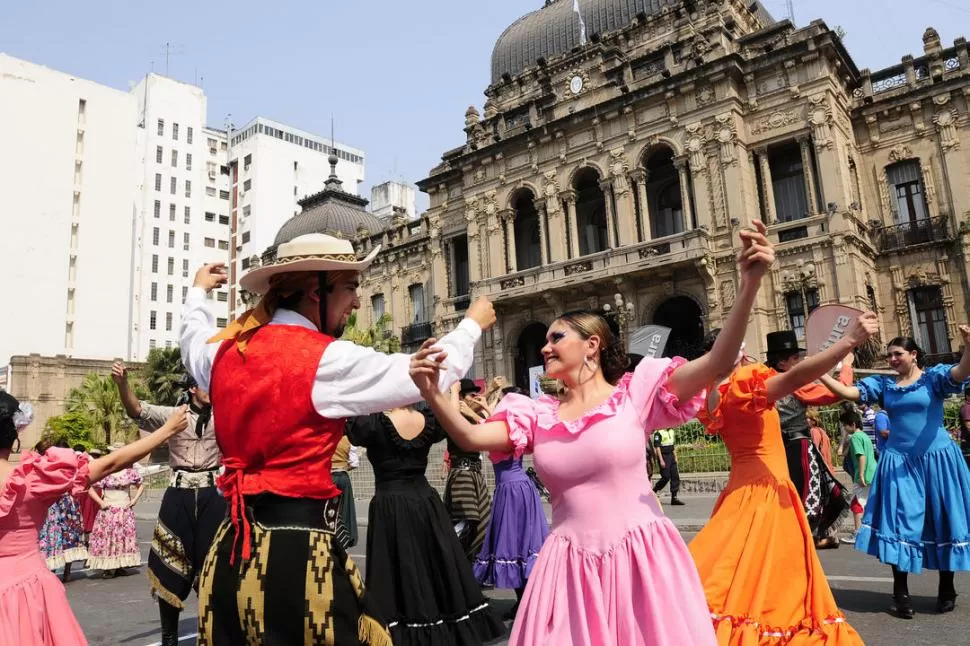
42 445
8 430
775 358
613 360
908 344
512 390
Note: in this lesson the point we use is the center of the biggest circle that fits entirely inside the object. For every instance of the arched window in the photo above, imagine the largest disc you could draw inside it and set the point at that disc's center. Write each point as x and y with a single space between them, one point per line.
590 212
664 195
527 240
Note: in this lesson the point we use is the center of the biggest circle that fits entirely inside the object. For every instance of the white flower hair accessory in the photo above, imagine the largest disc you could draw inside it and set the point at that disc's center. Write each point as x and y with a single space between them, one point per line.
23 417
741 354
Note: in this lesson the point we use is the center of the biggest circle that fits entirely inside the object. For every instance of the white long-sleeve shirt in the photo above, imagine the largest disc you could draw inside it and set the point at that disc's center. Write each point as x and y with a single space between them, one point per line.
351 380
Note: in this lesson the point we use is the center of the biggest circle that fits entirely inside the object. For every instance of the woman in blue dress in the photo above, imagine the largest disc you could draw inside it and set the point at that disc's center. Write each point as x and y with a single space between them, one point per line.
918 512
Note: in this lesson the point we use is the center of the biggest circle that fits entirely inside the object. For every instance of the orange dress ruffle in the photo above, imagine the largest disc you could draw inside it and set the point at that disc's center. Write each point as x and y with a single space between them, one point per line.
756 556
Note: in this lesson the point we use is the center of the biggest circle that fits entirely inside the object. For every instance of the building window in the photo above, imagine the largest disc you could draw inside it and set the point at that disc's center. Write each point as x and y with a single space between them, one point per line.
158 154
175 131
154 295
247 210
224 219
245 237
188 136
171 239
416 296
171 212
185 293
188 161
377 303
188 215
188 188
210 243
152 320
168 345
158 209
151 344
155 233
212 145
248 185
223 195
158 181
175 158
247 161
222 297
161 129
171 266
185 241
800 305
906 184
871 296
929 319
210 191
459 265
210 217
245 263
788 182
223 245
154 263
185 268
221 323
169 293
168 321
172 185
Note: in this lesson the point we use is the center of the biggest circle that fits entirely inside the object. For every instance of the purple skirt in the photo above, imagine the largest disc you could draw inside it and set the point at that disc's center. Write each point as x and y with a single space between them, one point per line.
516 532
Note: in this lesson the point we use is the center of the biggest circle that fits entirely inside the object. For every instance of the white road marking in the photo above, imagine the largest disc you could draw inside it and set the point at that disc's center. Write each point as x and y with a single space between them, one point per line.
862 579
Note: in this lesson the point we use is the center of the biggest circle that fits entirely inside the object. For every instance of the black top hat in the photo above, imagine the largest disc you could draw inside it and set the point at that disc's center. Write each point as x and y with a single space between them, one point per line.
468 386
784 341
188 381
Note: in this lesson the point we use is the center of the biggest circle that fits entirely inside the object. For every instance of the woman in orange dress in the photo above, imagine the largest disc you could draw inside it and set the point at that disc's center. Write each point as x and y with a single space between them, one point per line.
756 556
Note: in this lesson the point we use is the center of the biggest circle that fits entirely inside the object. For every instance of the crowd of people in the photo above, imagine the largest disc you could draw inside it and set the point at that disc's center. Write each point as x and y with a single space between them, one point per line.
259 513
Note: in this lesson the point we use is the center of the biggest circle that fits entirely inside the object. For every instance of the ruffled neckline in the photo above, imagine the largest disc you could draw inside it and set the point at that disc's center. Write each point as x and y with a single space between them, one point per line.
713 421
16 484
607 408
916 385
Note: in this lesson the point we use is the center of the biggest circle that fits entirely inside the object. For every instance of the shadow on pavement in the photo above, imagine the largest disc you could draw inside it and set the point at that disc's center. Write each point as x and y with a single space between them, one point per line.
873 602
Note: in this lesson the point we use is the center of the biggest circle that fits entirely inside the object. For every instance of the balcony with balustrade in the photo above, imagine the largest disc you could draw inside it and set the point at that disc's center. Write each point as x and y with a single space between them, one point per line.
913 234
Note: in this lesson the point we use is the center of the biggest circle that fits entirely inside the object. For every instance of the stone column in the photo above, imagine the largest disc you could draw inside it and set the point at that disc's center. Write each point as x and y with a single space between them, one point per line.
767 191
571 224
611 240
639 178
508 224
805 144
439 269
681 165
540 206
557 229
474 243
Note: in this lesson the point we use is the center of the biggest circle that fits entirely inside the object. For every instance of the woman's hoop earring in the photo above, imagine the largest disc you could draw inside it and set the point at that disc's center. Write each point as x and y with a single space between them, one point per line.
17 450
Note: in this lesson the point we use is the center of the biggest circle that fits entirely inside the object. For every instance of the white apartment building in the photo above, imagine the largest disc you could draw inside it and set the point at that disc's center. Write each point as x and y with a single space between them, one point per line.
274 166
183 194
68 203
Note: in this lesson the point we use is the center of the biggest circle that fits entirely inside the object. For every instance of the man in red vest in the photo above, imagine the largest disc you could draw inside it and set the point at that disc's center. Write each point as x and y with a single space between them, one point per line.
281 384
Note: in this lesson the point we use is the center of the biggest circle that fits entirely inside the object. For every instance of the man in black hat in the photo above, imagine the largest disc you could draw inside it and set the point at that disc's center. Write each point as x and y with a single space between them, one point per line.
466 493
824 497
192 507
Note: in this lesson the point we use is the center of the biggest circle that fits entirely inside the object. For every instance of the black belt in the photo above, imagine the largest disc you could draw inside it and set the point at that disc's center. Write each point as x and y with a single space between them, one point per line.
466 464
277 512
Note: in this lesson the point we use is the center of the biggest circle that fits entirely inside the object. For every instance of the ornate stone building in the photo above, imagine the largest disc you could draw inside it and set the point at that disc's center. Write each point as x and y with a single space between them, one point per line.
618 171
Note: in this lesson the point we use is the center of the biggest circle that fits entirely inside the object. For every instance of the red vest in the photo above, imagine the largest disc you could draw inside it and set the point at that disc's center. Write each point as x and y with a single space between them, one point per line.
271 436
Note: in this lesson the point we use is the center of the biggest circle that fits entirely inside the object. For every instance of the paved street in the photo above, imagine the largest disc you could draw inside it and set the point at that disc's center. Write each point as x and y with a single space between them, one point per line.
120 611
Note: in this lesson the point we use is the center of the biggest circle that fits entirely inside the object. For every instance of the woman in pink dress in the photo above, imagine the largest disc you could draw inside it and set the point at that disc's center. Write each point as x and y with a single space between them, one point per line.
614 570
113 545
33 606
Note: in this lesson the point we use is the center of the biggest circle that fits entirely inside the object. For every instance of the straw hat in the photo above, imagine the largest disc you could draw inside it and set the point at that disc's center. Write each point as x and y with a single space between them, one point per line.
313 252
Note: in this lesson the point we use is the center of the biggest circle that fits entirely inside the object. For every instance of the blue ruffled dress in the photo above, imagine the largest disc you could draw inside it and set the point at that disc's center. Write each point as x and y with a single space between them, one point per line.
918 513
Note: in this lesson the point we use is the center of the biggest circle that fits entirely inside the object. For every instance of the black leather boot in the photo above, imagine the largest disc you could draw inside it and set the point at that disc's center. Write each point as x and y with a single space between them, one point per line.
169 615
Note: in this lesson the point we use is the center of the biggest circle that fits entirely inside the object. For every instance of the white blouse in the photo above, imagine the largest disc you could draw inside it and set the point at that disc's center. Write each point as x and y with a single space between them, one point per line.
351 380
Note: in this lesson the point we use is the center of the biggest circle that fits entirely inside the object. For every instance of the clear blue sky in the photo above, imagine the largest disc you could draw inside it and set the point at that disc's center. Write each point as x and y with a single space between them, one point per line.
397 75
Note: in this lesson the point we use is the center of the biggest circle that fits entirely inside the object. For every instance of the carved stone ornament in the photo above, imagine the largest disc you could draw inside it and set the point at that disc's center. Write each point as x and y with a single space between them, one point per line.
725 134
899 153
578 268
550 190
774 121
694 144
727 294
510 283
619 167
819 118
705 95
946 124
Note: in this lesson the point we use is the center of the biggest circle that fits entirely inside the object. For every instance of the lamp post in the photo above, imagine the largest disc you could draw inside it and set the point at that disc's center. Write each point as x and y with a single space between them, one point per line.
624 312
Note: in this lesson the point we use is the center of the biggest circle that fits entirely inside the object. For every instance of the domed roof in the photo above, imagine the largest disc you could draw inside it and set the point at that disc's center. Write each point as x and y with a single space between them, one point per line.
554 29
332 211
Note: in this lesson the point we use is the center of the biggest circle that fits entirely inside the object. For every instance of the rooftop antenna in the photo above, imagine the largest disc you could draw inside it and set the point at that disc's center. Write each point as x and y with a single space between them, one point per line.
791 10
169 52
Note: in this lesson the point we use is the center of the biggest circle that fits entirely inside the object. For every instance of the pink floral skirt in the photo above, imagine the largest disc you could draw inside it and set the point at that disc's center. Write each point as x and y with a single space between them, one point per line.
114 542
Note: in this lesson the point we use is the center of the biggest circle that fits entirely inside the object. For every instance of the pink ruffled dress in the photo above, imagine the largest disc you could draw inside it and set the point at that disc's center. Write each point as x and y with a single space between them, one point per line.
33 605
614 570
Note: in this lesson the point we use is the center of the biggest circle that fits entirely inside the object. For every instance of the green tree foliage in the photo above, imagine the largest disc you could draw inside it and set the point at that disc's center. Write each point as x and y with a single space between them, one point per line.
69 428
97 402
163 375
378 336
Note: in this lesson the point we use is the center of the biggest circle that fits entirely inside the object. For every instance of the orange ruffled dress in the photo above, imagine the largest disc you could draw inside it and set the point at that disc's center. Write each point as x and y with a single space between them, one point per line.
756 556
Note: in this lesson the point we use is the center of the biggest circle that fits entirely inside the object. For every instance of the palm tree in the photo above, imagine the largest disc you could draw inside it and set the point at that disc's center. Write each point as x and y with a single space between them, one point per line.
97 400
163 374
378 336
